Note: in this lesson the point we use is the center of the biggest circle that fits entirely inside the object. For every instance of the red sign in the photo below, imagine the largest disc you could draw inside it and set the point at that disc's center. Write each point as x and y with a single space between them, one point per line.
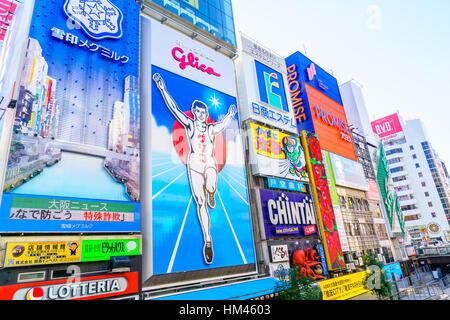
309 230
86 288
388 126
7 10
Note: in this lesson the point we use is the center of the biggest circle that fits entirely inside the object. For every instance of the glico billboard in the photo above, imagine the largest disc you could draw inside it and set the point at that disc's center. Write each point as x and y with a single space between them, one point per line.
317 105
200 223
387 127
74 158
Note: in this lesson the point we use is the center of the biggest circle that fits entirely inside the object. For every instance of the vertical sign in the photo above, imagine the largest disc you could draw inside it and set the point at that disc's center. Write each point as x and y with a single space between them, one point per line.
75 148
322 198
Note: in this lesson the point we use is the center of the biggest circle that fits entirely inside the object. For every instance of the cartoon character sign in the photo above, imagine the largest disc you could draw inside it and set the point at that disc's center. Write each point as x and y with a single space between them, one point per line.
201 164
293 152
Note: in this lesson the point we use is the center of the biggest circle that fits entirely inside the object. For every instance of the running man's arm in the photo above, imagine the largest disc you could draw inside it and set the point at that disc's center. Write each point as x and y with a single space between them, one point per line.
170 103
218 127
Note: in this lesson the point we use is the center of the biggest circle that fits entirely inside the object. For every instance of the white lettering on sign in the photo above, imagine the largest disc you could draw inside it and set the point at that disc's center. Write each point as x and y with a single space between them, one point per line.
285 212
75 290
384 128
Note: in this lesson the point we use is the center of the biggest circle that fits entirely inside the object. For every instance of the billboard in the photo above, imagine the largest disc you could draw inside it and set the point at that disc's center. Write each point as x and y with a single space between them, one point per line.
305 254
200 216
373 193
74 155
28 253
317 105
387 127
348 173
274 153
335 201
390 199
84 288
393 272
262 85
323 201
343 288
287 214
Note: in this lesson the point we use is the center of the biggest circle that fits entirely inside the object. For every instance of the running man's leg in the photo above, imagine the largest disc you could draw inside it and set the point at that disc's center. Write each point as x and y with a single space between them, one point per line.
211 185
197 181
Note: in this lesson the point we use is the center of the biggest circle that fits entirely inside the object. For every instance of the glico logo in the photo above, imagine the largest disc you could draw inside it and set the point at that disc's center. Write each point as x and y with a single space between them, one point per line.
271 87
191 61
99 19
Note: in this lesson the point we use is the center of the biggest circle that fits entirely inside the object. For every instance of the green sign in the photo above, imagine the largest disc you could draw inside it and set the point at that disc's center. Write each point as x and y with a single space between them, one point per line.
103 250
330 176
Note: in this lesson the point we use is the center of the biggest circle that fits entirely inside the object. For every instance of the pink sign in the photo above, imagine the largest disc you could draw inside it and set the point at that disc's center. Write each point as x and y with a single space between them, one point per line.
7 10
387 126
373 193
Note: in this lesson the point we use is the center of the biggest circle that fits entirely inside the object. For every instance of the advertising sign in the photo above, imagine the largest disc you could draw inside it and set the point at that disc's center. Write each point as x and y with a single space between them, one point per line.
335 200
323 202
373 193
348 173
20 254
273 153
304 254
288 185
279 253
103 250
279 270
76 129
393 272
85 288
343 288
287 214
387 127
36 253
262 87
200 211
390 198
317 105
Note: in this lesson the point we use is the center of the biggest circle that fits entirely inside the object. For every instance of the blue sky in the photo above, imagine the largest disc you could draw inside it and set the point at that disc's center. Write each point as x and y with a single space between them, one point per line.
398 50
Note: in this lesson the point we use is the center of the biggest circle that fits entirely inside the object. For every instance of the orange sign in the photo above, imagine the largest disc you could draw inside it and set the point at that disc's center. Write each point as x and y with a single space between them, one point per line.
330 124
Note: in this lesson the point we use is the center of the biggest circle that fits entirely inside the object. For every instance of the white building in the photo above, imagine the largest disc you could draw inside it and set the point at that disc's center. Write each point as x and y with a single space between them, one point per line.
419 180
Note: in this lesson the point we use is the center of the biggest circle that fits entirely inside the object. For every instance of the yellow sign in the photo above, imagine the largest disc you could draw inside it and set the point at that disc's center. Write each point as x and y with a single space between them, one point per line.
19 254
193 3
345 287
269 142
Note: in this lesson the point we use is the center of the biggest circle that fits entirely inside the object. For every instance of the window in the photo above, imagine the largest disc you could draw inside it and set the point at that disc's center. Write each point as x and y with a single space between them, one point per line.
430 204
420 175
342 202
417 165
434 215
398 169
427 194
31 276
414 156
350 203
394 151
411 147
358 205
424 184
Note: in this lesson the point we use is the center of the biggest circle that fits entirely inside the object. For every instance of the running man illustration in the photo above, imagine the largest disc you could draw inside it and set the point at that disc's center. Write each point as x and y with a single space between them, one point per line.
201 165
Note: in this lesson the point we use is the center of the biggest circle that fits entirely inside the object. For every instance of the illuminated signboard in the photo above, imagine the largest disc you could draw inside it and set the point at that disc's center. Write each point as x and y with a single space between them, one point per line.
200 210
387 127
318 106
20 254
84 288
287 214
348 173
273 153
75 152
323 201
263 94
343 288
7 11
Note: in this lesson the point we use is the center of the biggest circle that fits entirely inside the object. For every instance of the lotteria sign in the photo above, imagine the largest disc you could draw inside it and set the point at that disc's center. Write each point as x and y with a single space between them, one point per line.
86 288
287 214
